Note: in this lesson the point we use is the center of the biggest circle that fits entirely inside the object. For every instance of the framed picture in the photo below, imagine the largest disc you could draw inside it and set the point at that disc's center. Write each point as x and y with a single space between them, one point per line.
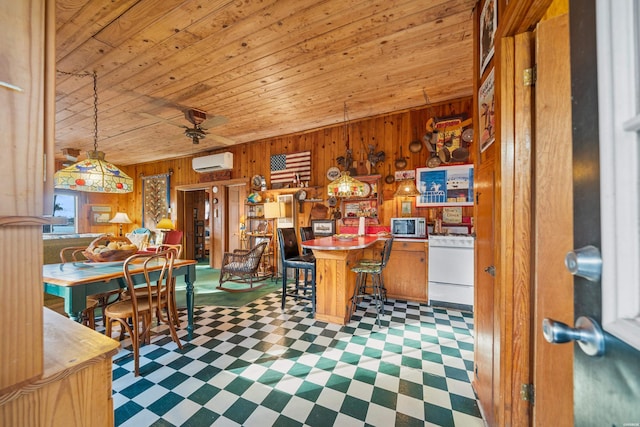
445 186
287 220
100 215
486 109
323 227
155 199
406 208
353 210
488 26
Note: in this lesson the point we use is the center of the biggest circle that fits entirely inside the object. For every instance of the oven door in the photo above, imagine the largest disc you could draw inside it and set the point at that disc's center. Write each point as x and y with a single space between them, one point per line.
451 264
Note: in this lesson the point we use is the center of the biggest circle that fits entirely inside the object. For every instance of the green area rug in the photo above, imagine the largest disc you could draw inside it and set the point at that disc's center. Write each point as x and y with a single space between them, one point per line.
206 293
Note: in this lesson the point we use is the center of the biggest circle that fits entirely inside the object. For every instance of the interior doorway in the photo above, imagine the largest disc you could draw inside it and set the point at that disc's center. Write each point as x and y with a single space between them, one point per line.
210 213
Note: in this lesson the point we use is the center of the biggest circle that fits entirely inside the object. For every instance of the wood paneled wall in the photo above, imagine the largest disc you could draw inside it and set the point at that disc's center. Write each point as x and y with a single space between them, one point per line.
387 133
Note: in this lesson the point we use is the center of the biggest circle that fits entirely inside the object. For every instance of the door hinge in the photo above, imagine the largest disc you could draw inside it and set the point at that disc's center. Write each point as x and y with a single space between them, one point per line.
529 76
527 393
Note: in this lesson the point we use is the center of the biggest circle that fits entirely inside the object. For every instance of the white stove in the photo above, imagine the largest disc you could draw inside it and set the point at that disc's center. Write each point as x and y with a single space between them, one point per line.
451 270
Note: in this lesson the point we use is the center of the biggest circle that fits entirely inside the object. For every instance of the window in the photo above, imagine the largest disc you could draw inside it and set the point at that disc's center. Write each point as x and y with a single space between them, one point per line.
65 209
619 122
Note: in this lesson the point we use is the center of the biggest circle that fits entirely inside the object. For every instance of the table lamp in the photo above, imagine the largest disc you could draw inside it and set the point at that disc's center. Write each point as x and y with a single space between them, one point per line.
164 225
273 210
120 218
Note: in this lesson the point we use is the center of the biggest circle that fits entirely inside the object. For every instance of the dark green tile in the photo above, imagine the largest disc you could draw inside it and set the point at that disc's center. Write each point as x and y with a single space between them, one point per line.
438 415
384 398
299 370
203 417
412 389
238 386
455 373
309 391
270 377
326 364
276 400
389 369
350 358
137 388
373 353
434 381
431 356
338 382
450 351
411 362
365 375
204 394
355 408
173 380
393 348
405 420
321 417
165 403
465 405
468 346
411 343
240 410
206 373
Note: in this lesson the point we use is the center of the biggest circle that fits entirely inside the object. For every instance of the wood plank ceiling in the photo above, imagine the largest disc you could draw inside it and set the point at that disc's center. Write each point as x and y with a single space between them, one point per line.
268 68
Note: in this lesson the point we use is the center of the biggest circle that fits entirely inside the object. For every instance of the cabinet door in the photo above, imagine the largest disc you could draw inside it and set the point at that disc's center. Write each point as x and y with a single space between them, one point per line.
405 275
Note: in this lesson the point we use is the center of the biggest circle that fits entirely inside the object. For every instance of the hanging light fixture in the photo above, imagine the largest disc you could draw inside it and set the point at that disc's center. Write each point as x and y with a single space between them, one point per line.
346 185
93 174
406 188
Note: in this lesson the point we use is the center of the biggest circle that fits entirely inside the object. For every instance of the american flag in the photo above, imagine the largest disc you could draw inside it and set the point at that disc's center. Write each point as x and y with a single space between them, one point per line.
285 166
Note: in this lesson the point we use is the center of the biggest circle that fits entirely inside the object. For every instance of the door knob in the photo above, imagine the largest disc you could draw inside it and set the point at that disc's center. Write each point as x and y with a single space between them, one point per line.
587 332
585 262
491 270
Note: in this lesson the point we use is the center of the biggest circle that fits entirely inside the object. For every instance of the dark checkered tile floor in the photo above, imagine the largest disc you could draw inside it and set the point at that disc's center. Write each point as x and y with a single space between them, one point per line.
258 366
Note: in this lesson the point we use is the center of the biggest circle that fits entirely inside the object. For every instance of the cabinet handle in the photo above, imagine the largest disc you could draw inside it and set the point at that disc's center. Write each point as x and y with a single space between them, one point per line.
10 86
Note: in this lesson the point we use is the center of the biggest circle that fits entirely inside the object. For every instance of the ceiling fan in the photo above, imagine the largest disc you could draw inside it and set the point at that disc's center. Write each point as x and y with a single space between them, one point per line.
200 124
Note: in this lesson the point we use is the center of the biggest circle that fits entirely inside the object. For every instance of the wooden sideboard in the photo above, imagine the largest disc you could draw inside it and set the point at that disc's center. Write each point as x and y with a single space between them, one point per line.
75 387
406 274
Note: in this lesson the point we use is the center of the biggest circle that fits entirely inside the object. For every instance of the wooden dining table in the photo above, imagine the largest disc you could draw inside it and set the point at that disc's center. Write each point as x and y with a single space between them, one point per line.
335 281
75 281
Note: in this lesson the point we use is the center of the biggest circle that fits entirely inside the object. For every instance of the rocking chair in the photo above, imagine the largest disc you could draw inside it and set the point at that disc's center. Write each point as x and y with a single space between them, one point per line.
242 266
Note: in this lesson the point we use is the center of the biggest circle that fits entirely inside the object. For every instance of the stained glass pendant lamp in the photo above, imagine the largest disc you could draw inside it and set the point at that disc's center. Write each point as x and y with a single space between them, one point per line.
94 174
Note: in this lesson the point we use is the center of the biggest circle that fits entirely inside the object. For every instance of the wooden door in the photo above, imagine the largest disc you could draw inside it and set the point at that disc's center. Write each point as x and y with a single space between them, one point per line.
553 222
484 303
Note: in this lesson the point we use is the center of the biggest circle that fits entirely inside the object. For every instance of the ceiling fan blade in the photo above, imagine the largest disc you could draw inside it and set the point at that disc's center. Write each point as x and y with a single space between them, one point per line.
221 139
161 119
213 122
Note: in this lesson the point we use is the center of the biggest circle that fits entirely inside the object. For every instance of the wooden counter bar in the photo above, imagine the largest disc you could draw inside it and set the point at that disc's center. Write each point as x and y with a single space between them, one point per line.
334 280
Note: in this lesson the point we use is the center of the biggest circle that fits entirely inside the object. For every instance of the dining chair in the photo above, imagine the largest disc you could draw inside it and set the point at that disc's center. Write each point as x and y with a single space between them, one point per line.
172 237
101 300
134 315
291 258
177 248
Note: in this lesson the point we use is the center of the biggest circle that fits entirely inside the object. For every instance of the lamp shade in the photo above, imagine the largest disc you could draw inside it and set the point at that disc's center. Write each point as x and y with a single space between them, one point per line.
165 224
274 210
121 218
346 186
406 188
94 175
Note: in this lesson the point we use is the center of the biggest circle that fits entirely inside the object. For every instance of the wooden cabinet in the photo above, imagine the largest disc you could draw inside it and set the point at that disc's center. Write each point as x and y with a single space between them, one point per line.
406 273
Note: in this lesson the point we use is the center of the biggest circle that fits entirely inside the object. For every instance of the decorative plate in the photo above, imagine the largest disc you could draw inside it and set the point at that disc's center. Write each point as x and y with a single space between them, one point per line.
333 173
344 237
366 190
332 201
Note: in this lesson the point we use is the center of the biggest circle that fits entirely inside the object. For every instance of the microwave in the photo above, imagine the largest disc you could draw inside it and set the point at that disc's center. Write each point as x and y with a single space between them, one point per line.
409 227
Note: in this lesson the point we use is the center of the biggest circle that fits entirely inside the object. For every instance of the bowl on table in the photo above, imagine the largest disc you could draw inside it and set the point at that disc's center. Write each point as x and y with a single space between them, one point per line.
109 249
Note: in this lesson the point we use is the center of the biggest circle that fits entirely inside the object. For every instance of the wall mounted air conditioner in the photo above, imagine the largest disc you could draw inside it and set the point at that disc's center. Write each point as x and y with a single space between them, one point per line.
212 163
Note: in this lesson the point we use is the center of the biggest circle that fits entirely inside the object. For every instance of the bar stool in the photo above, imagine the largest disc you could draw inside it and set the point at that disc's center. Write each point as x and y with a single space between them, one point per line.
291 258
376 261
306 233
363 271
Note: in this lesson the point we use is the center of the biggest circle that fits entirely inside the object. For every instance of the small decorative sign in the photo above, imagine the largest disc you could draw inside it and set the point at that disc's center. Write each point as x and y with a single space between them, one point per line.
452 214
402 175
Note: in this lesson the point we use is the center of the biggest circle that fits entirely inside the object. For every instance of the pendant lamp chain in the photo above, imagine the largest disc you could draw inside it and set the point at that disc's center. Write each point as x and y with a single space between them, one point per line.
95 111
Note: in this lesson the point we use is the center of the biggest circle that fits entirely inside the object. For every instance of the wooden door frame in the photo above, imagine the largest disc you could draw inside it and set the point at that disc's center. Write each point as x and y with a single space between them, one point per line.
513 364
218 228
